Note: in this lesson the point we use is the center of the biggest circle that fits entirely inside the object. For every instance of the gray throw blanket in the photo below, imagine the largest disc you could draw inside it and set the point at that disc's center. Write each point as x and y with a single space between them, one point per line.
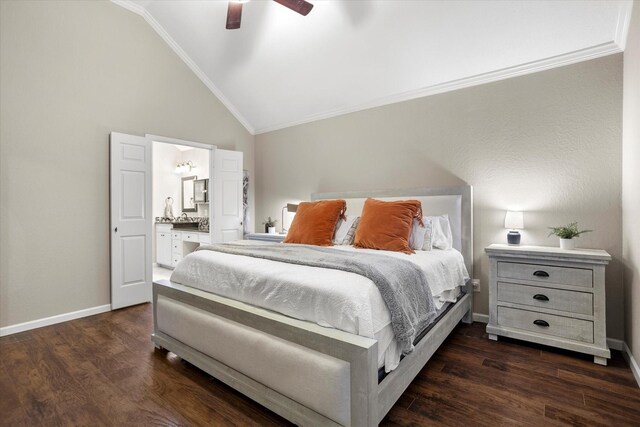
402 284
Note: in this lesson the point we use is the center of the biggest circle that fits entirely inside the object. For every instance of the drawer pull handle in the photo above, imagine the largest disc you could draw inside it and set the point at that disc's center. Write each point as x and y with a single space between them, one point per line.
541 323
540 273
541 297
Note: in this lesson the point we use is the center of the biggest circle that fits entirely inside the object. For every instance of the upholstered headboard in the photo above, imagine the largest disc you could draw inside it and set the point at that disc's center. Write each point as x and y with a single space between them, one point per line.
457 202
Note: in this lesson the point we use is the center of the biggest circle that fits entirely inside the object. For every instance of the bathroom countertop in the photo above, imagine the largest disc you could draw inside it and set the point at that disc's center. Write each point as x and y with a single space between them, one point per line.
177 222
192 230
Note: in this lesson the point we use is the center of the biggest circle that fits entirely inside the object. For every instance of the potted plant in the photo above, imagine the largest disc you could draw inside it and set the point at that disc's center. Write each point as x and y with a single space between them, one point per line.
270 226
567 234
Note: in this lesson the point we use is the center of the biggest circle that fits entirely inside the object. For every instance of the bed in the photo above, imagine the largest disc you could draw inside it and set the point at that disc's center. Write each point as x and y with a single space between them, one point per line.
307 373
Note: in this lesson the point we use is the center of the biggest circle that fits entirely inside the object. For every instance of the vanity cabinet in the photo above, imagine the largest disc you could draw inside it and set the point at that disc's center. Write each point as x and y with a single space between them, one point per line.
172 245
176 247
163 244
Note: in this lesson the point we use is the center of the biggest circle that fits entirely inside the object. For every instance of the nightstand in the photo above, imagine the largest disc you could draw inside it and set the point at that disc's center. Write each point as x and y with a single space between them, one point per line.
549 296
265 237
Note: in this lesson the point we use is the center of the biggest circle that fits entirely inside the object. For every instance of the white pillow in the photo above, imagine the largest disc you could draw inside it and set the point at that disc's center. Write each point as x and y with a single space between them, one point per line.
416 238
342 235
428 234
441 236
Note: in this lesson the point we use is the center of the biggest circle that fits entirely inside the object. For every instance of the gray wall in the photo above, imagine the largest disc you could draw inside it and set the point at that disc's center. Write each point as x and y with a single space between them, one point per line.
70 73
631 184
548 143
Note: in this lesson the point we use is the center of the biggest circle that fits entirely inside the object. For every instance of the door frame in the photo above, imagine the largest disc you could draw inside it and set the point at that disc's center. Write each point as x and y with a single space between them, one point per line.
212 153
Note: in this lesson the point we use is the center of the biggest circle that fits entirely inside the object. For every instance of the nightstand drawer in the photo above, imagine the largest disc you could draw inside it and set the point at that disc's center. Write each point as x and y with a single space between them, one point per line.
548 324
546 273
554 299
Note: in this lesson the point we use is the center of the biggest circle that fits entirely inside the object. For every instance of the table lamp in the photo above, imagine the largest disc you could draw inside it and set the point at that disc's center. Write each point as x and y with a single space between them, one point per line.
290 208
514 221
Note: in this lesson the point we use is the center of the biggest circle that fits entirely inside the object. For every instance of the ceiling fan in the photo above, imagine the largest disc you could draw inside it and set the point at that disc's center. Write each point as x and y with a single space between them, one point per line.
234 11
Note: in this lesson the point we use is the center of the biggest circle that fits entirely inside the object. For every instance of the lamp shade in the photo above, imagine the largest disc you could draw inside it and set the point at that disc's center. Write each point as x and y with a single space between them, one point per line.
288 212
514 220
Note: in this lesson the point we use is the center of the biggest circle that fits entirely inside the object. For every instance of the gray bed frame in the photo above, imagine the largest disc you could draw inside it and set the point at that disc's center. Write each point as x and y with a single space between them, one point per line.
369 400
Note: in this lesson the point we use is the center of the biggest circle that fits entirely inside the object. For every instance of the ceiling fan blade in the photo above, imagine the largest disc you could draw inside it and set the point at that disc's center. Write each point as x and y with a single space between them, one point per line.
300 6
234 15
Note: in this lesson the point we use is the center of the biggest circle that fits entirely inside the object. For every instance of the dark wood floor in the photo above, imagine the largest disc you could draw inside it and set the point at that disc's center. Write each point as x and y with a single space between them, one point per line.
103 370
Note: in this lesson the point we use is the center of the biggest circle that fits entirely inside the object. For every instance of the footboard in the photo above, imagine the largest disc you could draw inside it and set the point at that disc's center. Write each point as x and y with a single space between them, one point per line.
306 373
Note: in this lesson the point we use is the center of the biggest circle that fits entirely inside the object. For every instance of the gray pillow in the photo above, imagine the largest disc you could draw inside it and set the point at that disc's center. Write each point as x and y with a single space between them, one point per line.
346 231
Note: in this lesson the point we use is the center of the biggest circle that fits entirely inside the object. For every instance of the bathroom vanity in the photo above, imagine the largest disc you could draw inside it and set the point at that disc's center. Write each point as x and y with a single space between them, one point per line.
173 243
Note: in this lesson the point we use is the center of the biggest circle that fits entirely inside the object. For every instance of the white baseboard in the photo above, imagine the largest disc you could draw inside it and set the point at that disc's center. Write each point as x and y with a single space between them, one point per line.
633 364
479 317
615 344
38 323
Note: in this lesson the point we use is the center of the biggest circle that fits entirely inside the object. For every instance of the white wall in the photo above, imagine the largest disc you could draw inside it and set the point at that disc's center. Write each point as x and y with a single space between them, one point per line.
166 183
549 143
70 73
631 183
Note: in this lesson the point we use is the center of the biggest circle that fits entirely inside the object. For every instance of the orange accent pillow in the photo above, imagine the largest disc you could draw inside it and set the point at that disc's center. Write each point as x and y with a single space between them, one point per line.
387 225
315 222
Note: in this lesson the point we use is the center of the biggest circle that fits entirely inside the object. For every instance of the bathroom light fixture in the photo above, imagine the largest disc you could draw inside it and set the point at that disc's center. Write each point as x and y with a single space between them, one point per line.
514 220
185 167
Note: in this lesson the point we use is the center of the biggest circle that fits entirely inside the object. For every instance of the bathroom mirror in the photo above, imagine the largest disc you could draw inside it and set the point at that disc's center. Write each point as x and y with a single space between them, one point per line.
188 200
200 188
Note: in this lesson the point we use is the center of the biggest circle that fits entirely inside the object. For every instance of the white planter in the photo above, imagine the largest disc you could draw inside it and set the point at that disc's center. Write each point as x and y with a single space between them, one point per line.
567 243
272 230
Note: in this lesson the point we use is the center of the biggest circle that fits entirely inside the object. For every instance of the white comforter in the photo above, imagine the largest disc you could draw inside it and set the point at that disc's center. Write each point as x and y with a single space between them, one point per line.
331 298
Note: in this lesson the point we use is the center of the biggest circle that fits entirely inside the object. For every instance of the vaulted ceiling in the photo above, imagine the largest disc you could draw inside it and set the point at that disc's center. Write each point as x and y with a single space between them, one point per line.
280 68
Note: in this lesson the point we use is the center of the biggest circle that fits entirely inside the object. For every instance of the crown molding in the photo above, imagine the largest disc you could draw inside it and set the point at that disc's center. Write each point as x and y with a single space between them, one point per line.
624 20
586 54
139 10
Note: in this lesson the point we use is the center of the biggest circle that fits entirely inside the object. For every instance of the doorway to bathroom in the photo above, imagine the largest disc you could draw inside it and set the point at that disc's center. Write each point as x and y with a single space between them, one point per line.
168 196
180 203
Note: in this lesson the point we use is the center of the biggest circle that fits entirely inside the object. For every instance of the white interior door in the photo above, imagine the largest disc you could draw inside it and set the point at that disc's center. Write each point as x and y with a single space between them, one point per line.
130 220
227 196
